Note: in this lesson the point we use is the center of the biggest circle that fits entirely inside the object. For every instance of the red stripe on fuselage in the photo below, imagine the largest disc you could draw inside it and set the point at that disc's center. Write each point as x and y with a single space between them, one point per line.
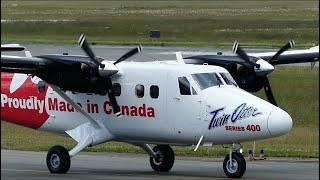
25 106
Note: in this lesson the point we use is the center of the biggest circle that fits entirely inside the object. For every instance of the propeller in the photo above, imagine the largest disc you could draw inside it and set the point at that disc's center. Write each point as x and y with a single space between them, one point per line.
289 45
107 69
266 84
236 48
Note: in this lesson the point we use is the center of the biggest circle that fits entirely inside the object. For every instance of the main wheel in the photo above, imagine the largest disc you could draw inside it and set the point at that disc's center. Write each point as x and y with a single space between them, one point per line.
164 160
236 167
58 160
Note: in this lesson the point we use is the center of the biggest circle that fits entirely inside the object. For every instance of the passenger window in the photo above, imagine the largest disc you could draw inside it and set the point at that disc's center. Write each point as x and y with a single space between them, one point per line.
139 91
41 86
154 91
184 86
117 89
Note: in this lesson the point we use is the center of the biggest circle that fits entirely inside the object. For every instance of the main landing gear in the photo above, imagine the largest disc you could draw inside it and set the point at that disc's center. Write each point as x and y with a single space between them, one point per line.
161 157
164 159
234 164
58 160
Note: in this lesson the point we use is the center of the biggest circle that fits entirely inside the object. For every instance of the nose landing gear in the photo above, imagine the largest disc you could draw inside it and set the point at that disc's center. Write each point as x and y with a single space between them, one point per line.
236 167
234 164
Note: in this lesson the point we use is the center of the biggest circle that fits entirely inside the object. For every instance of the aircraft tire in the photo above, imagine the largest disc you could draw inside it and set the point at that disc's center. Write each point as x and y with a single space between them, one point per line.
238 167
165 161
58 160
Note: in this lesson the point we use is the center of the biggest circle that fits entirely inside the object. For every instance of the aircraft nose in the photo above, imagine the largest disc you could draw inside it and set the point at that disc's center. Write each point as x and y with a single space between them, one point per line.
279 122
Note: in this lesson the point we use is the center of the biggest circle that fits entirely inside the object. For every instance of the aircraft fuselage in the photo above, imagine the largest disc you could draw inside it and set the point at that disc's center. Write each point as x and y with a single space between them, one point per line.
221 114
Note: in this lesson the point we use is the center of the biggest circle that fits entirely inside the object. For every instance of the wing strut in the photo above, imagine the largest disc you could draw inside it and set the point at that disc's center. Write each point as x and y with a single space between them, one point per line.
87 134
96 123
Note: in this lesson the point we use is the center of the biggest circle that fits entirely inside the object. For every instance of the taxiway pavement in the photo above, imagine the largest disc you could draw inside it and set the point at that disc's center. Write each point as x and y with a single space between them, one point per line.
31 165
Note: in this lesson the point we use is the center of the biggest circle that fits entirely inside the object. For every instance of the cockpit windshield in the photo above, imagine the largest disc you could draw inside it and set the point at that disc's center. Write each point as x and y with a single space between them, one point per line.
206 80
228 79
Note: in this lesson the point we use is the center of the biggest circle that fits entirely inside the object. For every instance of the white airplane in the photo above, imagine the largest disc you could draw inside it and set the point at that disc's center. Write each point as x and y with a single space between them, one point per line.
93 101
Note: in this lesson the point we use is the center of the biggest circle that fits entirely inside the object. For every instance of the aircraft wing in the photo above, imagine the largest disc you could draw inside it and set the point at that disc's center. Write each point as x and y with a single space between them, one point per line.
32 65
11 47
26 65
289 57
74 73
219 60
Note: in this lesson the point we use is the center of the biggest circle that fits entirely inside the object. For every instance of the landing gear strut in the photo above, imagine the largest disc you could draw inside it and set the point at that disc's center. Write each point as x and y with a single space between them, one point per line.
164 158
58 160
234 164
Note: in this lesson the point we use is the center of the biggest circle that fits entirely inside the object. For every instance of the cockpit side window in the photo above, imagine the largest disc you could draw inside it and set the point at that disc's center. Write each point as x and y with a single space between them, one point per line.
184 86
228 79
206 80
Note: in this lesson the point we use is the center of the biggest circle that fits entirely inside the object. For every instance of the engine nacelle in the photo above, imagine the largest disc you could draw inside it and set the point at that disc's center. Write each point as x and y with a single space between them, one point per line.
250 82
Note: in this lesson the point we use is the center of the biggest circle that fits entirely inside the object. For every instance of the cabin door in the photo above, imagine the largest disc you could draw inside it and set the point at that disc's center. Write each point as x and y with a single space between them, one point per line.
183 107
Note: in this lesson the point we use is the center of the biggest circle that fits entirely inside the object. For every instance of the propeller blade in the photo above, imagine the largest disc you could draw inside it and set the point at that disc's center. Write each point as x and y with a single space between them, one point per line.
129 54
289 45
112 98
86 48
268 91
236 48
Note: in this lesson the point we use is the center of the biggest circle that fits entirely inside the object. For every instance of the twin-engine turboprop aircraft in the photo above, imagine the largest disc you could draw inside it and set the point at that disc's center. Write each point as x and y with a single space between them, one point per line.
93 101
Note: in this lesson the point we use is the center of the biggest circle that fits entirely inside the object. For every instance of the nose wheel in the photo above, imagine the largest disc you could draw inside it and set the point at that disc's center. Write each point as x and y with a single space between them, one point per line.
58 160
235 166
164 159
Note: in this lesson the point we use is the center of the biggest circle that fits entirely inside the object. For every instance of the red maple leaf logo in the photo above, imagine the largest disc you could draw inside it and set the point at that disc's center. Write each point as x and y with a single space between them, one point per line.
25 105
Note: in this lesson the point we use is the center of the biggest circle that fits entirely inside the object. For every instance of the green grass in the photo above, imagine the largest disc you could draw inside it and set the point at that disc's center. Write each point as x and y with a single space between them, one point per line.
295 88
186 23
